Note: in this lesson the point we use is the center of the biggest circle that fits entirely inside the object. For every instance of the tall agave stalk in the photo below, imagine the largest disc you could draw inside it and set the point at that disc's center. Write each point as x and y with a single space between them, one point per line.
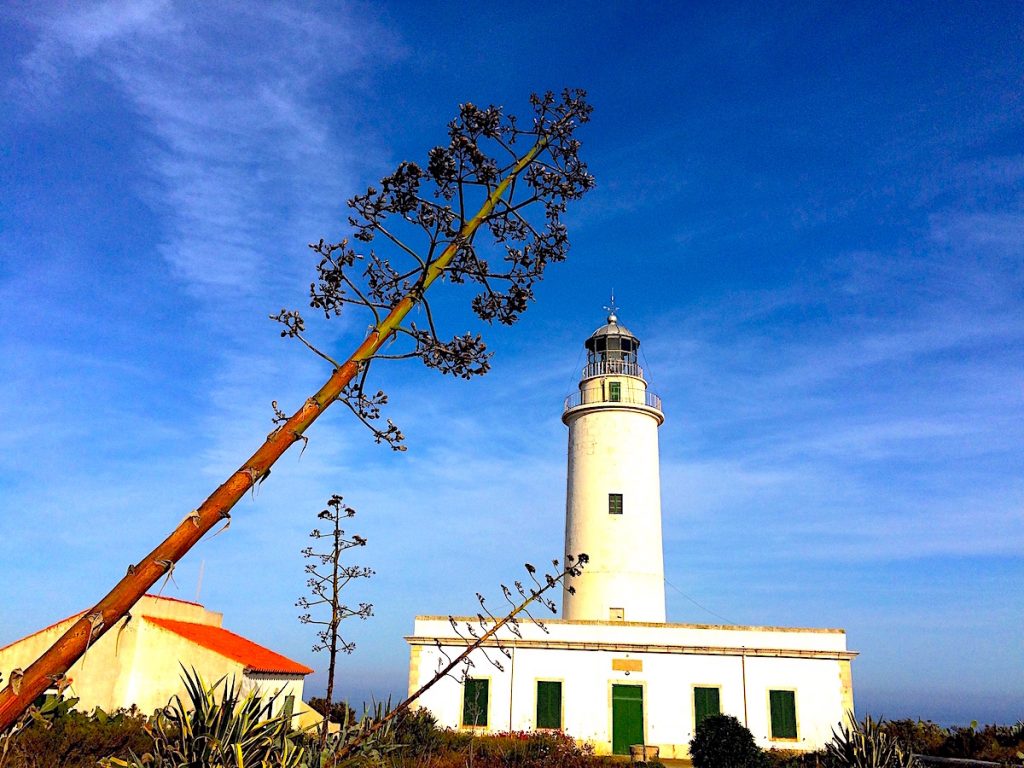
485 632
465 179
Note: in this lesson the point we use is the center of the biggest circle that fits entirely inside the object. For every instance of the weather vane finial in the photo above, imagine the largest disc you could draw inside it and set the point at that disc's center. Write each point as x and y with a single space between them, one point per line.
612 309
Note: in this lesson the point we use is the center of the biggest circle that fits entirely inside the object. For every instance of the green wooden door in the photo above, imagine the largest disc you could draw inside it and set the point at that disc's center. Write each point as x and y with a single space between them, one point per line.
627 717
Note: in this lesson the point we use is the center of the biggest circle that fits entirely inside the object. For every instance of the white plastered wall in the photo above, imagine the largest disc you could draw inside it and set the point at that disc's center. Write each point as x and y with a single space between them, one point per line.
613 448
587 672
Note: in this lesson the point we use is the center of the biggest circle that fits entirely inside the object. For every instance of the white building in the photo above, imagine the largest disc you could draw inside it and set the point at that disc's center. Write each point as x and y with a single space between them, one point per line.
139 663
612 672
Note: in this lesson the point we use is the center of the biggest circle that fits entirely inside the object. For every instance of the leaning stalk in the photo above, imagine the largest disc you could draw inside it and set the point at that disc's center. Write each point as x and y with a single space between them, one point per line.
49 669
349 747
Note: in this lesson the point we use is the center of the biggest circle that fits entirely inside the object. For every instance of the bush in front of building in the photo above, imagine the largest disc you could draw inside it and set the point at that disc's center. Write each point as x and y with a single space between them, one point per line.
515 749
996 743
721 741
72 739
922 737
417 732
793 758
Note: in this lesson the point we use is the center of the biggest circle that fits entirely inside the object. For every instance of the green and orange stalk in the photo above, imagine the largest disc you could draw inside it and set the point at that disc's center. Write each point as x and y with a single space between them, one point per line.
553 135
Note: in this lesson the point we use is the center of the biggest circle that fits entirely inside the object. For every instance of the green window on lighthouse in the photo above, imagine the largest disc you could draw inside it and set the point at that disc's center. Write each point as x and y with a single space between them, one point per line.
614 503
614 391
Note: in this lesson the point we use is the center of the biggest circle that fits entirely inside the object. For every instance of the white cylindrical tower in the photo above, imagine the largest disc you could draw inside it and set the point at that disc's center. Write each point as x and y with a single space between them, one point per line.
613 494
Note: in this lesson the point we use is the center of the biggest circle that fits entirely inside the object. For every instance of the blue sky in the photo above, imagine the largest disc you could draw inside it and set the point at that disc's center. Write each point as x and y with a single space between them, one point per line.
812 215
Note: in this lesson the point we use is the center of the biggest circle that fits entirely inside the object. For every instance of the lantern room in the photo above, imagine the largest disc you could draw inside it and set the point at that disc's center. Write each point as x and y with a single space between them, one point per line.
612 349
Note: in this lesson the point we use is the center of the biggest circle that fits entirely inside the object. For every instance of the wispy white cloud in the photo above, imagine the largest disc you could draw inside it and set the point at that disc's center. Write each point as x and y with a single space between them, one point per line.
244 159
871 417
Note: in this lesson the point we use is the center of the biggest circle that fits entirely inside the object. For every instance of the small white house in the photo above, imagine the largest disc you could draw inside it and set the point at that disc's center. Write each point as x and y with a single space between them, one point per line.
140 661
612 672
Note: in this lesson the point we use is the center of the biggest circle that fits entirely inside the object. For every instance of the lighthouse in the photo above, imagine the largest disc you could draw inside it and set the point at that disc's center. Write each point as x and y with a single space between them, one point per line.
611 672
613 489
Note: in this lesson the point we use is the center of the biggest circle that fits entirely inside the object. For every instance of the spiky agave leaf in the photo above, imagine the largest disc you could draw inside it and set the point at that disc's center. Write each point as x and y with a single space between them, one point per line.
218 727
866 745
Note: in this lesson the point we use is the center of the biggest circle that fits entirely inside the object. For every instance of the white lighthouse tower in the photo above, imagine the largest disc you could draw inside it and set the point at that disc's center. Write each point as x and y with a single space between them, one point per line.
611 672
613 499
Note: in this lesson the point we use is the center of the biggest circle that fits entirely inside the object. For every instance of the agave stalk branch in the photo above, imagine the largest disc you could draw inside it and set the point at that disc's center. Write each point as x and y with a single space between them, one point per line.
571 568
57 659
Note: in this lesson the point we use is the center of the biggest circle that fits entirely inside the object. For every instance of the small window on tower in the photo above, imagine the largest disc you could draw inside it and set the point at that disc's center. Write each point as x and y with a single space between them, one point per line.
616 614
614 391
614 503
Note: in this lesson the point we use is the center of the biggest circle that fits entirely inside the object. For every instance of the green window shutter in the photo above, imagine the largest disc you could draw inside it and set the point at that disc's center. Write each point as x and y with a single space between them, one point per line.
474 701
614 391
705 703
614 503
549 704
783 707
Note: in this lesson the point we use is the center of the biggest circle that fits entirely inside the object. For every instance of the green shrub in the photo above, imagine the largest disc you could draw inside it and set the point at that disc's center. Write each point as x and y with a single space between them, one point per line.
417 732
517 749
922 737
721 742
73 739
792 758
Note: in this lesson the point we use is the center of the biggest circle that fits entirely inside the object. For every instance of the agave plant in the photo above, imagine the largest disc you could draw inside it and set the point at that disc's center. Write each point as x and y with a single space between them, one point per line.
372 744
866 745
218 728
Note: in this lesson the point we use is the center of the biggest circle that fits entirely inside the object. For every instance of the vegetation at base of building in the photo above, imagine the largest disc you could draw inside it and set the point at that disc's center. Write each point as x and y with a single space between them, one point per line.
721 741
55 735
216 727
996 743
1003 744
425 745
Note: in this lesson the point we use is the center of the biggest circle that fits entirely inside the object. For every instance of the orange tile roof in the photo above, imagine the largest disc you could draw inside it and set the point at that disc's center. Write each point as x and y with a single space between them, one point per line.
255 657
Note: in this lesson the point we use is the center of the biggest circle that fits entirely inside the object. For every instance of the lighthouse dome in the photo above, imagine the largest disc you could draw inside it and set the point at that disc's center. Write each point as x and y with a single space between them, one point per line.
612 332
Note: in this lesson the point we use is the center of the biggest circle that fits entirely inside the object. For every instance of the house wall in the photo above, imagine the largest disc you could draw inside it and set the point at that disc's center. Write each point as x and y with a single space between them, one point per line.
154 675
283 685
668 676
140 663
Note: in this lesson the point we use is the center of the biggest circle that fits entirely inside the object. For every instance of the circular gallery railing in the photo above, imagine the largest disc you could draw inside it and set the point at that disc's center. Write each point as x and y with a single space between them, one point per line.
625 397
608 367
